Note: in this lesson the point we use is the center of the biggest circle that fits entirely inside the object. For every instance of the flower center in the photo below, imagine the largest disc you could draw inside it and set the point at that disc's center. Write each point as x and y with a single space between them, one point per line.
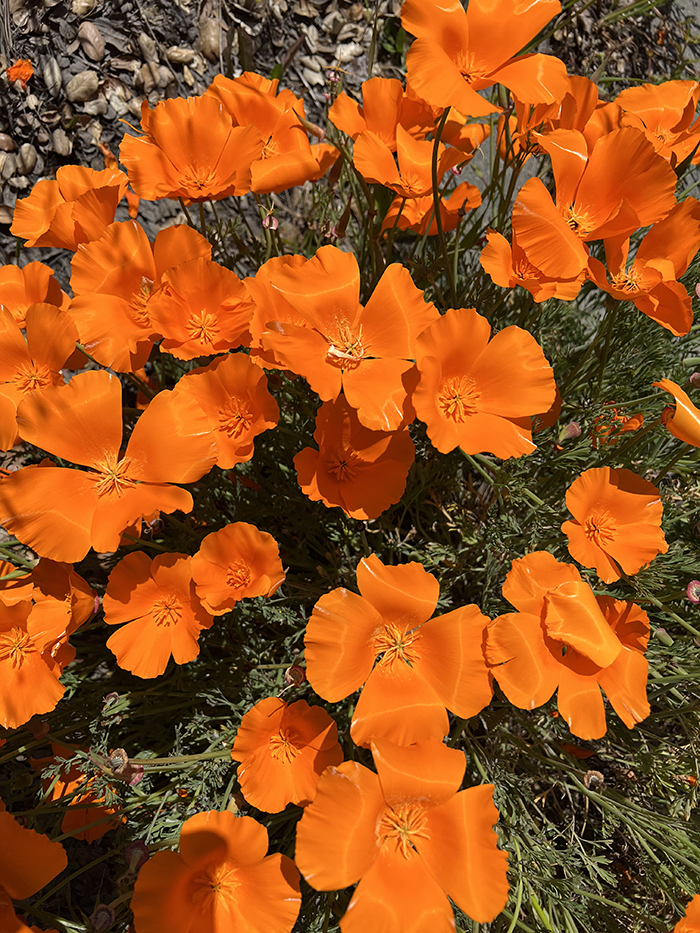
344 464
469 68
216 887
113 479
167 610
345 349
32 376
203 327
457 398
626 281
284 745
200 179
238 575
524 270
15 645
270 149
139 300
600 527
577 218
395 645
401 827
235 418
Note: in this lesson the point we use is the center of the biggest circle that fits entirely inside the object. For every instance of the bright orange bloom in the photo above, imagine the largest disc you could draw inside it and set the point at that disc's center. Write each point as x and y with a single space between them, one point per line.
413 177
607 429
409 836
563 637
480 394
413 669
21 71
117 279
362 472
169 160
220 880
418 214
385 106
617 522
662 258
75 208
163 615
61 513
269 304
458 53
666 114
232 392
29 285
235 563
203 308
509 266
684 423
283 750
690 922
621 186
365 351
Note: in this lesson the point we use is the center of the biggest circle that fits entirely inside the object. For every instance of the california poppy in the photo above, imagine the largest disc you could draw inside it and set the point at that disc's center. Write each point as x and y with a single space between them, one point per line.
283 750
509 266
418 214
564 638
690 921
23 286
413 667
666 114
476 393
221 879
617 522
684 422
384 102
163 614
61 513
409 836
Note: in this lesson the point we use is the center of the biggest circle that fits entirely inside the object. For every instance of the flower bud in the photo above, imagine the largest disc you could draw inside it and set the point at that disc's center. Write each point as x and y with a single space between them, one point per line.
693 591
270 222
295 675
570 431
102 918
695 380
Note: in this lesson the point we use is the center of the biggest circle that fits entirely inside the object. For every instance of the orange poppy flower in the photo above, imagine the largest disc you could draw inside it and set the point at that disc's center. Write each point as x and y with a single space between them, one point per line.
169 160
563 637
163 615
232 392
362 472
458 53
480 394
608 429
684 423
21 71
509 266
662 258
418 214
365 351
666 114
61 513
234 563
409 836
60 582
31 363
617 522
115 282
413 669
268 305
21 287
75 208
283 750
384 104
203 308
690 921
221 879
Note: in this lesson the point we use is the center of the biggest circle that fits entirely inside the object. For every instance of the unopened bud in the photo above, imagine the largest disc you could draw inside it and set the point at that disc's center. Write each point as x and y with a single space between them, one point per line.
456 170
570 431
695 380
693 591
662 635
333 77
311 128
667 414
270 222
102 918
295 675
697 289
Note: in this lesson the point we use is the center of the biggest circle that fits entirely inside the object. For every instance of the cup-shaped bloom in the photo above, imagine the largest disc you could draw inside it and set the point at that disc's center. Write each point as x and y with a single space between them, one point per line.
61 513
509 266
75 208
458 52
115 281
160 613
480 394
409 836
413 667
684 423
564 638
236 562
690 922
169 160
666 114
384 102
283 750
617 522
221 879
418 214
365 351
362 472
232 392
22 287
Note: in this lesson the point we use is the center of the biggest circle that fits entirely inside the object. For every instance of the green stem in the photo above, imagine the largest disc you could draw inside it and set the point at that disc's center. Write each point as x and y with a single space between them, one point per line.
436 207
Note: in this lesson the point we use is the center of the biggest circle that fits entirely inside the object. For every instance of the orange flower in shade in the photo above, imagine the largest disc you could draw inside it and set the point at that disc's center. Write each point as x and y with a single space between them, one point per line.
418 214
684 423
61 513
690 921
169 160
563 637
409 836
608 429
666 114
662 257
365 351
617 522
283 750
163 615
75 208
232 392
30 363
234 563
220 880
413 669
480 394
458 53
202 309
28 861
362 472
620 186
287 158
115 282
29 285
269 304
21 71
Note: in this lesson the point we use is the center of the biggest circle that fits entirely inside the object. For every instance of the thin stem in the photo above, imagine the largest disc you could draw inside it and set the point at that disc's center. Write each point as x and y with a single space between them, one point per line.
436 207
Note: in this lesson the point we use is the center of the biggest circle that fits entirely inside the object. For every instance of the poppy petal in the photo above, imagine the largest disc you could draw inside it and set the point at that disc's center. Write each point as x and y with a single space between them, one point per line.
549 243
524 666
428 771
580 702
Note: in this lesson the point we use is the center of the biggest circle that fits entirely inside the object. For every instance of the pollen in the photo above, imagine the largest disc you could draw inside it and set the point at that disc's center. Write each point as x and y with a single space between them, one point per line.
113 479
238 575
343 464
203 326
235 418
284 745
216 887
346 349
626 281
578 220
139 300
15 646
167 610
457 398
469 68
600 527
396 646
401 827
32 376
